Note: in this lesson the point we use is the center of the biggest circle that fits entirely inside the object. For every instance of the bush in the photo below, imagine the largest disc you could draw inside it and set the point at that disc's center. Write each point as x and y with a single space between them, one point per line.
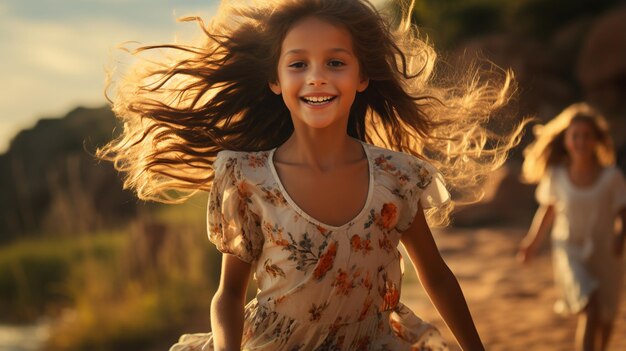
33 272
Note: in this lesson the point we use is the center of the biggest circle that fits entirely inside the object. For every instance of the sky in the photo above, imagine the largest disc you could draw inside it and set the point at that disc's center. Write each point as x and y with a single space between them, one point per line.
54 52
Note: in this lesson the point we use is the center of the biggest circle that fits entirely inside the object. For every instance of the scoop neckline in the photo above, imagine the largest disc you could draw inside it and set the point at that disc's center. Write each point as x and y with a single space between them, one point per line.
585 189
311 219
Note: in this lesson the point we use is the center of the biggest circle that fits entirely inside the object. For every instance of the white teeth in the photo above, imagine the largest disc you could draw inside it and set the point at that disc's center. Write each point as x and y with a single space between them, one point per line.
317 99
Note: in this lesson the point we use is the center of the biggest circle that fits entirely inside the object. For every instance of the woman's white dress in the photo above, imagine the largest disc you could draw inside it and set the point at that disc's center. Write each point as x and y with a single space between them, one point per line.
582 239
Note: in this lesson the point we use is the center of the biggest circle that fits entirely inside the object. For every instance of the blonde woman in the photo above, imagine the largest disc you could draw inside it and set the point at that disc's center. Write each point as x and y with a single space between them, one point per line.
580 193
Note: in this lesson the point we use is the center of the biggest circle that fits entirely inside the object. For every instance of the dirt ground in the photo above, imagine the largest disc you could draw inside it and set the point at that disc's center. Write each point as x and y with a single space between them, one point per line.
511 304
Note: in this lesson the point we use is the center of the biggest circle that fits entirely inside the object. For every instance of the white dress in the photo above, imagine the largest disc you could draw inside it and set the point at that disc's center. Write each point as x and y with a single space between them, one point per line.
582 239
321 287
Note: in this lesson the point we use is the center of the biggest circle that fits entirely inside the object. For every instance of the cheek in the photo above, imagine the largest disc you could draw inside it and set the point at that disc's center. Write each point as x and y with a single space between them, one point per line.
590 142
571 141
568 143
291 83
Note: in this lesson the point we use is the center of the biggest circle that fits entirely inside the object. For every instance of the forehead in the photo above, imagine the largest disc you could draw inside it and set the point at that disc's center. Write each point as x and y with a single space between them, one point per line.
312 34
581 126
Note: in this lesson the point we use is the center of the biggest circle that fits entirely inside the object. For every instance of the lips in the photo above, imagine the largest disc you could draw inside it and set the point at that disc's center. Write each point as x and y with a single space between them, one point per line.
317 100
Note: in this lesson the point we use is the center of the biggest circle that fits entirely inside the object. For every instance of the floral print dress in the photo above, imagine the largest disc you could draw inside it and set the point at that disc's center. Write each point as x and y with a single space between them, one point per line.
321 287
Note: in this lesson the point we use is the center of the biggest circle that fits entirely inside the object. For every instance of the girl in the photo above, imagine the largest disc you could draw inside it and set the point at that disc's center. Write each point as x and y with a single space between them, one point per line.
277 115
580 195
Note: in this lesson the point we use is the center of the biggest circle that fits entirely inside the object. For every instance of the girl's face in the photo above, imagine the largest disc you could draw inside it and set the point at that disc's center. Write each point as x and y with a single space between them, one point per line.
580 140
318 74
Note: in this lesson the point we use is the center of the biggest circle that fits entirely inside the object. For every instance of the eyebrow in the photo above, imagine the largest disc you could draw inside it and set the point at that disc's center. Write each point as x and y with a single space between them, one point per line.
302 51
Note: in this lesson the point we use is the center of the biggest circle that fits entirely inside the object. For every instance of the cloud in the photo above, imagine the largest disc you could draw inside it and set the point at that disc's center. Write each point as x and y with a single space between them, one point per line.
46 47
4 8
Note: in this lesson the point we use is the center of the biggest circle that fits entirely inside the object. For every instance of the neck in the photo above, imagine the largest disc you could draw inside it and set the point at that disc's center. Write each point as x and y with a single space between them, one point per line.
583 164
322 149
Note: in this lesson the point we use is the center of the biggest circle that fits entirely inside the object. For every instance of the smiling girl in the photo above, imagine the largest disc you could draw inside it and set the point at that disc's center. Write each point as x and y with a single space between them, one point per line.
277 115
580 193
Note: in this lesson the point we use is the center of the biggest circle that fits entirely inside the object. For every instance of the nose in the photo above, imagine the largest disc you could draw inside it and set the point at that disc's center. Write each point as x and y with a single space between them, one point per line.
316 76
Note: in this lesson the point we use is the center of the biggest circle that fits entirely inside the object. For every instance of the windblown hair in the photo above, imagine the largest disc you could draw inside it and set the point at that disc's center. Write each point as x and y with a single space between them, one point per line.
180 112
548 149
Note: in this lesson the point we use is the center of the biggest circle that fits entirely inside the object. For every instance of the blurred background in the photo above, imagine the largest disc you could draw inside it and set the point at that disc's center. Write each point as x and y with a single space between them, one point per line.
84 265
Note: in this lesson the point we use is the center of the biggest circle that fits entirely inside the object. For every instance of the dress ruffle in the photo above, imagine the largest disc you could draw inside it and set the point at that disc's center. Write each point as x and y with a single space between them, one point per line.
397 329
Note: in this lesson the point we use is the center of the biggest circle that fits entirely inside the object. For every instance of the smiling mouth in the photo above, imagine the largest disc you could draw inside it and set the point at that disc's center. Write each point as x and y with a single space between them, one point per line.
317 100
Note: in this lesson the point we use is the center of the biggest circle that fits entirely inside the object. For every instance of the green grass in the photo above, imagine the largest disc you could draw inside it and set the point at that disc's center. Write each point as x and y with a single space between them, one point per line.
33 272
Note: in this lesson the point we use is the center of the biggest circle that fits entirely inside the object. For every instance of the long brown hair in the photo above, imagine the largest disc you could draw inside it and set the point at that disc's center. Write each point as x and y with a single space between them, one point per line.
548 149
180 112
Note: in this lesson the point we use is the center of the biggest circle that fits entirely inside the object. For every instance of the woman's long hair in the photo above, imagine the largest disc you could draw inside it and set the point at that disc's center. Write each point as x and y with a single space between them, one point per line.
179 112
548 149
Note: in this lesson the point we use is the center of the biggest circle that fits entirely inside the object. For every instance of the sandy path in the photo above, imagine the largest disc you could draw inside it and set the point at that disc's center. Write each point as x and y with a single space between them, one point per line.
24 337
511 304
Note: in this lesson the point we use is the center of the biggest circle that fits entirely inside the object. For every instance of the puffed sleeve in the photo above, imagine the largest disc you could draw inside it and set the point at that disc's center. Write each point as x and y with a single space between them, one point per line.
425 185
618 191
545 189
232 226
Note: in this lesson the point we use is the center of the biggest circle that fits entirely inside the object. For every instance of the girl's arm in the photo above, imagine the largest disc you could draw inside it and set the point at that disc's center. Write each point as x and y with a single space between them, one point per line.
439 282
228 304
621 237
542 222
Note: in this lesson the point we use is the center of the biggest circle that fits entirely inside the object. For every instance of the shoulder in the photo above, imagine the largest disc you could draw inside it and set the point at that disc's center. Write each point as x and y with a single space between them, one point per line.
251 156
614 173
241 159
395 159
406 168
242 165
554 172
553 169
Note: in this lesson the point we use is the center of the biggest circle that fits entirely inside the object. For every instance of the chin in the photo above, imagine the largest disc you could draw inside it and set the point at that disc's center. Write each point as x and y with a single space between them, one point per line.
318 123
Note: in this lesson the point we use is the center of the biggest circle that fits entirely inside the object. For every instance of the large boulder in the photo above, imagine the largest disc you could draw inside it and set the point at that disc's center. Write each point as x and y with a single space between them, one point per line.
601 66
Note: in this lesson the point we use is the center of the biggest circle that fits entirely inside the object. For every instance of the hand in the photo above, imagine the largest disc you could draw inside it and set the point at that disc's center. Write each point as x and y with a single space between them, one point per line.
525 253
618 245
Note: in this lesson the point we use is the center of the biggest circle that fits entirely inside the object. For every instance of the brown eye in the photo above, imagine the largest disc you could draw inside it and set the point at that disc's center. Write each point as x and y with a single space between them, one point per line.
297 65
